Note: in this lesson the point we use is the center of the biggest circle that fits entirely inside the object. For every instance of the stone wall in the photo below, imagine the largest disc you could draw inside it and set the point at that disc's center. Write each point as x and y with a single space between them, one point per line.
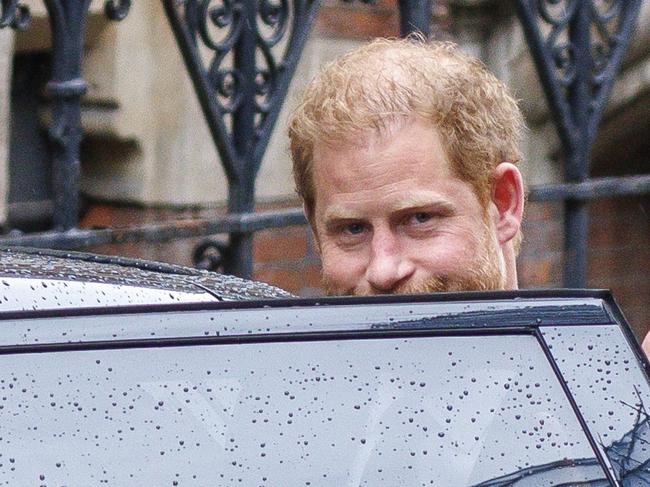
6 54
144 130
155 137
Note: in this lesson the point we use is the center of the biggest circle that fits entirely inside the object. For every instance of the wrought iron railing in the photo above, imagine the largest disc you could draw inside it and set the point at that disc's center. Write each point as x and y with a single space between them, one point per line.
577 62
577 46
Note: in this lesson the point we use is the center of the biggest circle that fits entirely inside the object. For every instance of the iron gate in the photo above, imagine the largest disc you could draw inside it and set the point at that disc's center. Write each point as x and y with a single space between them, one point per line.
577 46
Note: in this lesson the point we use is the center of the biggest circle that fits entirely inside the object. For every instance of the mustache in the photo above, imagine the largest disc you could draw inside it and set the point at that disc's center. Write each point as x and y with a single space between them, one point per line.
434 284
486 277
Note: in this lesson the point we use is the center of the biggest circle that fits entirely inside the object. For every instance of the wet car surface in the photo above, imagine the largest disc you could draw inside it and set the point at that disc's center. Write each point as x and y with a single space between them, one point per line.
48 279
518 388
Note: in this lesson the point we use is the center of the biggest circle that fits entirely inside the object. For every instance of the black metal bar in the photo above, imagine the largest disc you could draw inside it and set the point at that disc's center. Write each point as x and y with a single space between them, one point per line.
243 119
576 167
415 16
241 191
162 232
579 96
239 259
253 222
68 23
592 189
576 226
543 56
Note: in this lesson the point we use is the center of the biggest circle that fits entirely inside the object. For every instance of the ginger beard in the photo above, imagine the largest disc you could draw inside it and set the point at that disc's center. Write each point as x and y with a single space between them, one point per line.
484 274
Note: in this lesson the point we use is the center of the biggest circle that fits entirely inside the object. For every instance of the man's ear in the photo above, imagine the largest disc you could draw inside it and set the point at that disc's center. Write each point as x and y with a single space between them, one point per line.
508 198
309 214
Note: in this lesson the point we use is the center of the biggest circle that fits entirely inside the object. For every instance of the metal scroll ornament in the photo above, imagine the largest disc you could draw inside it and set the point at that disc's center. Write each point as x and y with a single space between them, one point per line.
117 9
241 55
210 255
17 15
578 46
14 14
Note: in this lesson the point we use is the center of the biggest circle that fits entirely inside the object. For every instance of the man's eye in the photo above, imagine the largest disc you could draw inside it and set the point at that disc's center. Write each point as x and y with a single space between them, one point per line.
354 228
422 217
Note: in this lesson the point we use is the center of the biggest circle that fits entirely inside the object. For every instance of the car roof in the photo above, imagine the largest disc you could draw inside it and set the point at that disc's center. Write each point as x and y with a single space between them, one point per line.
50 279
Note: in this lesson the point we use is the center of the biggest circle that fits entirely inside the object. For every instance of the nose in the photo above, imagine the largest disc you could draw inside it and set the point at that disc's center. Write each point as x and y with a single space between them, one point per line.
389 266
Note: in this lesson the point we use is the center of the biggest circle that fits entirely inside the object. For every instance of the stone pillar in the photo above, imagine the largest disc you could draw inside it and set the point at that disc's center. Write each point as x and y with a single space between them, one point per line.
6 56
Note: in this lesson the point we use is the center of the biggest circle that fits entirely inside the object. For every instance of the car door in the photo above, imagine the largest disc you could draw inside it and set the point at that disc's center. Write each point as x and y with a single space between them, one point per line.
505 389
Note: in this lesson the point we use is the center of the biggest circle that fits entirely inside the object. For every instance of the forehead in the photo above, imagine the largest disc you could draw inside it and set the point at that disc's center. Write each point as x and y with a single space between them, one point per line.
409 151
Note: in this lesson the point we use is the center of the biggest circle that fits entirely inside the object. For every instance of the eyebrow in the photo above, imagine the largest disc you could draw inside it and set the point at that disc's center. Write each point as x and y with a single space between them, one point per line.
338 213
436 203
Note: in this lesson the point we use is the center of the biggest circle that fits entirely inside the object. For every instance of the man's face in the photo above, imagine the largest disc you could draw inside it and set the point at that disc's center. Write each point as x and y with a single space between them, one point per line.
391 217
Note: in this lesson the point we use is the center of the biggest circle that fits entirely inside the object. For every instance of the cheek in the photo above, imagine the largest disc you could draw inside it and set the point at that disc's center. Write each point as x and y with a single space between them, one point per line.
341 268
447 254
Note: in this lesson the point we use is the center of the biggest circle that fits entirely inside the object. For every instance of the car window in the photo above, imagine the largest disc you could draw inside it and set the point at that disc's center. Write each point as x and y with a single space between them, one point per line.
604 377
294 411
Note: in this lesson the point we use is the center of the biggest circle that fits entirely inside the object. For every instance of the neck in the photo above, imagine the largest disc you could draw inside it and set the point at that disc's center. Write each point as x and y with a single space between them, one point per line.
510 264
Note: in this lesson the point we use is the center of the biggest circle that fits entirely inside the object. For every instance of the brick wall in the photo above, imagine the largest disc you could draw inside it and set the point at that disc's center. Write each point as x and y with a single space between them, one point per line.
287 259
618 255
356 20
283 257
540 259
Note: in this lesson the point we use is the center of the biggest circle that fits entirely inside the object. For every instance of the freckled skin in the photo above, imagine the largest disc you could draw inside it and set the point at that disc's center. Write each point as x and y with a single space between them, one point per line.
390 216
